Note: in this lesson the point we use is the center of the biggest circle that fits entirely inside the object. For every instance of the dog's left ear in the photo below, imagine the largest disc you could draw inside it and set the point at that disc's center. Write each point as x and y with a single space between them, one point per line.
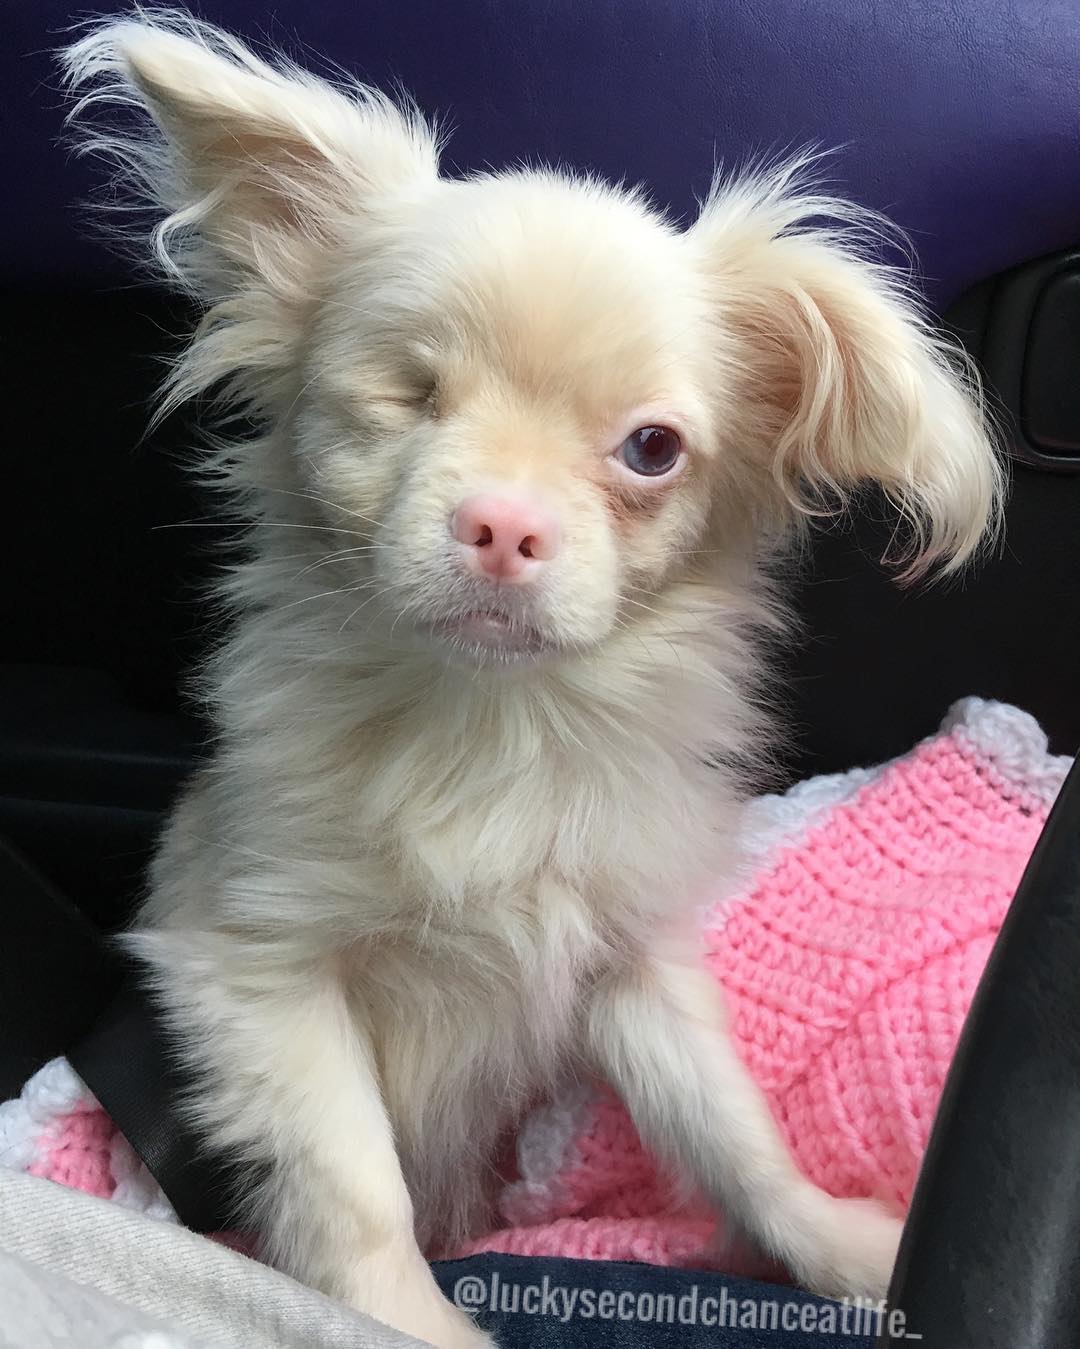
841 380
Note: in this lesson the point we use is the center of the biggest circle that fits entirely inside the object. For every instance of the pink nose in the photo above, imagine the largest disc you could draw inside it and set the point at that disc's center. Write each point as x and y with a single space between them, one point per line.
507 538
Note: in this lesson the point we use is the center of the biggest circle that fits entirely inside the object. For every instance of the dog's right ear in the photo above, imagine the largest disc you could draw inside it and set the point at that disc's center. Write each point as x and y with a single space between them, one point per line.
252 166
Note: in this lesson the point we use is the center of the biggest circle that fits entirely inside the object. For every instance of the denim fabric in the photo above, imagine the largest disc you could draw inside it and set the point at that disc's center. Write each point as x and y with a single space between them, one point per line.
541 1303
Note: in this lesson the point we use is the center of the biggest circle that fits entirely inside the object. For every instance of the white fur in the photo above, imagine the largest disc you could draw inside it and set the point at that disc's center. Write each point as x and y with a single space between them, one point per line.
418 883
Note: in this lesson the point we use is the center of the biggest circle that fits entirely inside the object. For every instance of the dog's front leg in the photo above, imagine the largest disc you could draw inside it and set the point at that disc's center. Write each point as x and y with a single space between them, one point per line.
657 1032
288 1078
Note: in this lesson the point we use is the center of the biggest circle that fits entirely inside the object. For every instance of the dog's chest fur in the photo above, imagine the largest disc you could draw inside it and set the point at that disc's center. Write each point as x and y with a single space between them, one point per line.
470 859
470 1025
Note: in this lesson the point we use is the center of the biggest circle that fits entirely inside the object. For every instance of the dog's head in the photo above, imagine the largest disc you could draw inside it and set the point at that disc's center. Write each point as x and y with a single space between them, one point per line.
538 402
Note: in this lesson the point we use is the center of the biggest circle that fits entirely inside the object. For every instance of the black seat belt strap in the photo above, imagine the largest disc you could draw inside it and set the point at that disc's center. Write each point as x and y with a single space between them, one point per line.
59 976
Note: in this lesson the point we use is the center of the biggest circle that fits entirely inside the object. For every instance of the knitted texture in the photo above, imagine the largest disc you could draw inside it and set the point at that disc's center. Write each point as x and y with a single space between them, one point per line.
849 961
849 958
56 1129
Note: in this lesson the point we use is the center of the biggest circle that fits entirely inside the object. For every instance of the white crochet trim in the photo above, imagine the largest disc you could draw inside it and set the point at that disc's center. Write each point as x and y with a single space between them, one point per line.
546 1142
774 822
1013 741
781 820
1010 738
26 1122
136 1188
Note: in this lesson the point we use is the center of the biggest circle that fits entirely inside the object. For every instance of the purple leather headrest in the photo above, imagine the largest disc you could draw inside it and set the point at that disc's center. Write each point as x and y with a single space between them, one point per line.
961 120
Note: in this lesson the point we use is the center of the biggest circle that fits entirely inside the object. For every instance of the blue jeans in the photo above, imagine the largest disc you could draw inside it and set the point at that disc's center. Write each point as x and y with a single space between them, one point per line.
575 1304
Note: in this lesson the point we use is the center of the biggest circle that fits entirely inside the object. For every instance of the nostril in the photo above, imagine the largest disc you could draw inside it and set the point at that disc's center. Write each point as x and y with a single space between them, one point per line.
502 534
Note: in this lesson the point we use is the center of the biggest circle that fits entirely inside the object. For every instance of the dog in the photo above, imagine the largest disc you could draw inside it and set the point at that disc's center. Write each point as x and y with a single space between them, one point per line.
526 452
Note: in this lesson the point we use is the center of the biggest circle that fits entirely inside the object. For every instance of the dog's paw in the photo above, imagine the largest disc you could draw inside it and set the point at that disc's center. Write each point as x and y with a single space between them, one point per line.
452 1329
417 1307
854 1252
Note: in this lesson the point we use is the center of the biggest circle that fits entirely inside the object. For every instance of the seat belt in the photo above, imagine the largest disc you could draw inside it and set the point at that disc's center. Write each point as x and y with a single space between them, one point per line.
56 972
58 976
126 1062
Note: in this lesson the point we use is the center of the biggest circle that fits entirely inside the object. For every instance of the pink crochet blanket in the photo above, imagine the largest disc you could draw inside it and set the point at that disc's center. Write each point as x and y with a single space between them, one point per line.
849 959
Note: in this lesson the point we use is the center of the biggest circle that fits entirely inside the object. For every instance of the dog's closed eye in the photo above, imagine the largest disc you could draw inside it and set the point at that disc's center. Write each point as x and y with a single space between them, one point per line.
363 395
418 397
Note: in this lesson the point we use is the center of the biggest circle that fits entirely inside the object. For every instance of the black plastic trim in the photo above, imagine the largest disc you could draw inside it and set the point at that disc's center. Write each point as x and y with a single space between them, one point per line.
991 1252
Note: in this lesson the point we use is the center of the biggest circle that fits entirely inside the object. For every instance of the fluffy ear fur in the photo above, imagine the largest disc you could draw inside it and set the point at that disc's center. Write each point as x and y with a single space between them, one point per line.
844 382
255 165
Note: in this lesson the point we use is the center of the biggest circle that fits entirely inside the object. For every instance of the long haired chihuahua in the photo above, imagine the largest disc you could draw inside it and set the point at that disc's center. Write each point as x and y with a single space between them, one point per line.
524 451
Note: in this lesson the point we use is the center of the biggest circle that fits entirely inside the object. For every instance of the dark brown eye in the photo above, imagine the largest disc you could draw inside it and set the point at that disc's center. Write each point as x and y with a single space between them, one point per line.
651 451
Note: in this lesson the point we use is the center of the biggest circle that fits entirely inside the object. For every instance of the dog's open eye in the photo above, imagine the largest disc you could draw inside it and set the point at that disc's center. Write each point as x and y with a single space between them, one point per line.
650 451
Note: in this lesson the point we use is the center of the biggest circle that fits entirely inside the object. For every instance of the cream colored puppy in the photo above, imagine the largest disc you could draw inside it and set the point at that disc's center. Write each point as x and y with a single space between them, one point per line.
522 446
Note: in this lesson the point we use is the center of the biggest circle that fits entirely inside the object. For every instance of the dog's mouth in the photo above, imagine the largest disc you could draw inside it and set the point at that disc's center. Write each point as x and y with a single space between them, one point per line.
487 634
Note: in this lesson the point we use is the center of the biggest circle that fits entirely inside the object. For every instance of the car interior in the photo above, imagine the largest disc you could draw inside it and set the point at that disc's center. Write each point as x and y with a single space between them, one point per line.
961 123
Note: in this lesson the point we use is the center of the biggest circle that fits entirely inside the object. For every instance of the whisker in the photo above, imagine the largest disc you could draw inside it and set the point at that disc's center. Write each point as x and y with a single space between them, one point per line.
385 590
326 594
275 558
649 609
334 505
401 614
257 524
624 626
341 556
